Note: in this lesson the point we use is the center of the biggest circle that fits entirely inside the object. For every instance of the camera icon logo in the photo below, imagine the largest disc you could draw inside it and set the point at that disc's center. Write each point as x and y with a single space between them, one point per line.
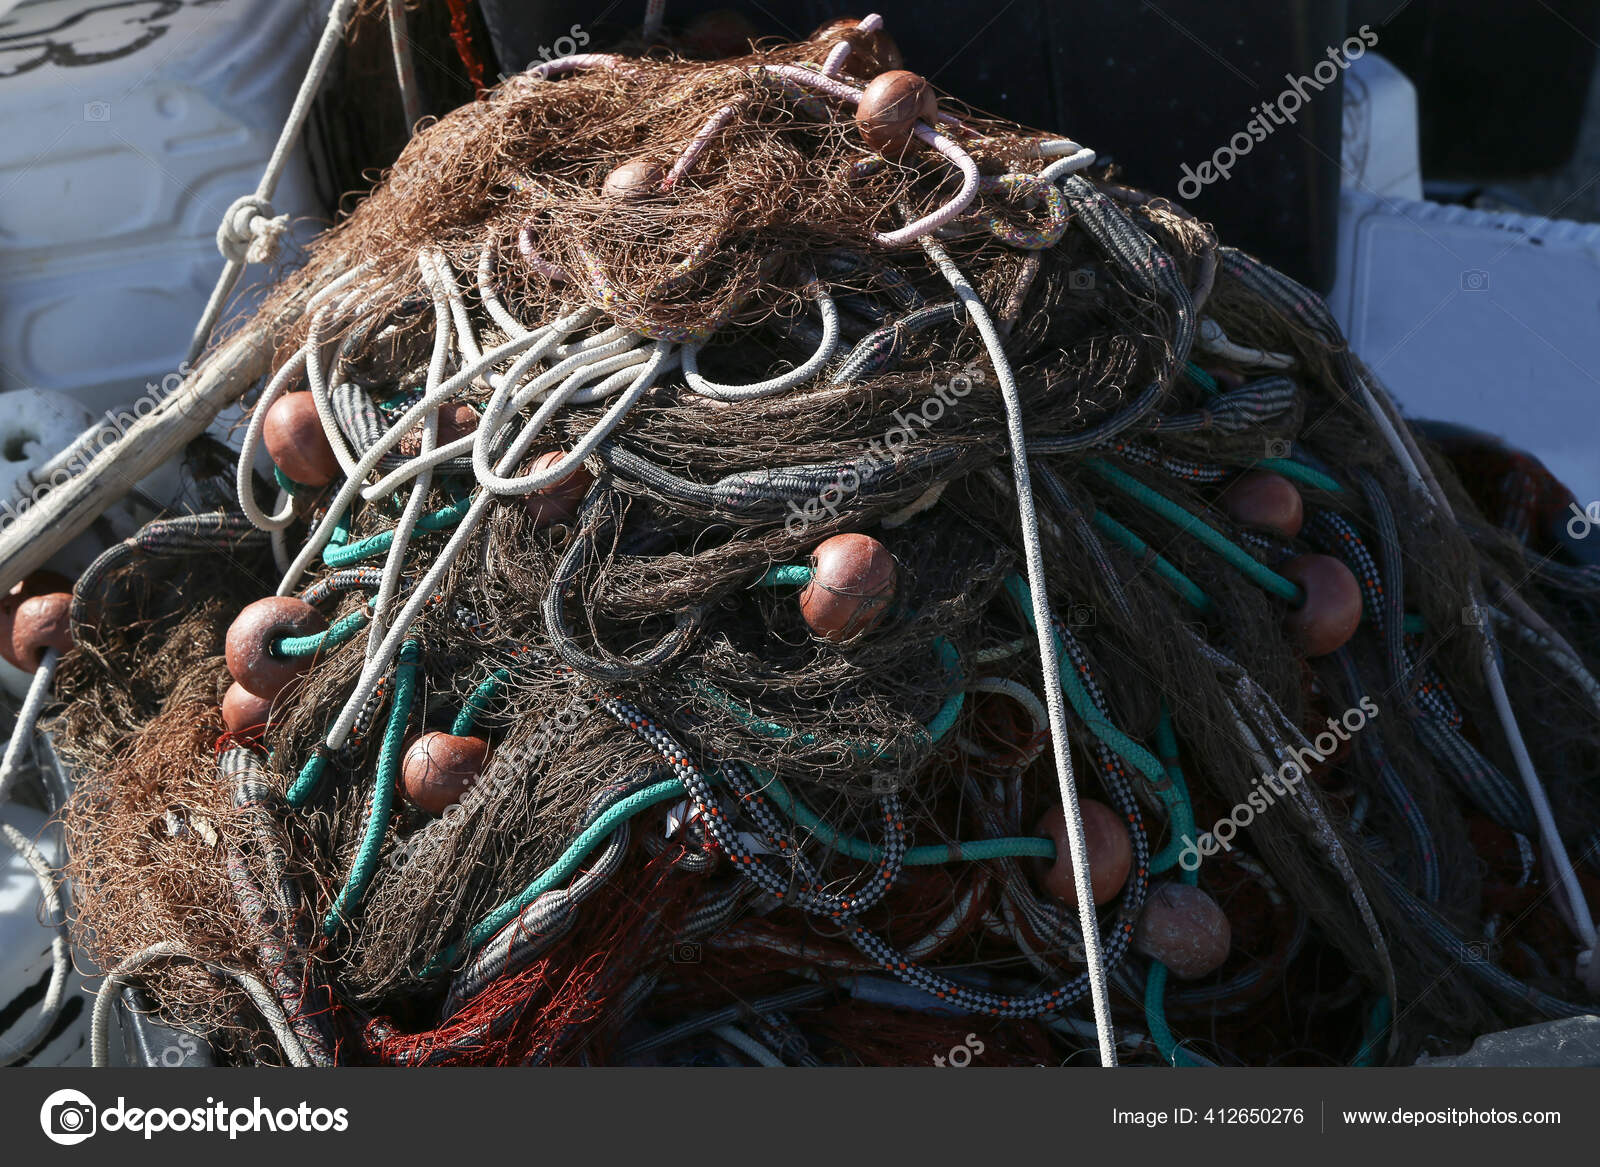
68 1117
1081 279
1080 616
1474 280
1279 448
97 111
686 952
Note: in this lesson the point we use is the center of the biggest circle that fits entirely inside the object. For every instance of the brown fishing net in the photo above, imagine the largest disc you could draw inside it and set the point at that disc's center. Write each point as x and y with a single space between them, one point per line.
654 596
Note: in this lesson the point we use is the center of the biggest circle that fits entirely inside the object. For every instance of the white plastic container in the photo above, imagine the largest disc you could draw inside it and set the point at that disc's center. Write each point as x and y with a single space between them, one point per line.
126 130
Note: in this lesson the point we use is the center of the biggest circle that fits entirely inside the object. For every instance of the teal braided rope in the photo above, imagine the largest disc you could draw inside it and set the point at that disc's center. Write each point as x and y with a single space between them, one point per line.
338 554
1155 1016
478 700
394 741
1115 740
943 721
787 575
1231 552
1377 1026
598 831
577 851
289 485
306 782
1191 592
1175 793
1177 799
926 856
1300 472
343 630
1202 378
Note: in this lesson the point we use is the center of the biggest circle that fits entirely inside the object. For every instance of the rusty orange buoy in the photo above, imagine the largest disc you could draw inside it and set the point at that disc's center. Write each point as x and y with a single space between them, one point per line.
41 622
890 109
456 420
1185 929
558 502
853 579
1110 852
439 768
248 644
1265 500
296 442
243 712
39 583
1331 612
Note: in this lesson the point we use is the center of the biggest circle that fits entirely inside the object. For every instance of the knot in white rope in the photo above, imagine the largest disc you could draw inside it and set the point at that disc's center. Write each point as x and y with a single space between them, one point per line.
249 231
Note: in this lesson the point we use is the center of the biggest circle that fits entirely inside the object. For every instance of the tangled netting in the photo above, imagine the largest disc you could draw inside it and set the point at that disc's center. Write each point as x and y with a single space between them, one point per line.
705 832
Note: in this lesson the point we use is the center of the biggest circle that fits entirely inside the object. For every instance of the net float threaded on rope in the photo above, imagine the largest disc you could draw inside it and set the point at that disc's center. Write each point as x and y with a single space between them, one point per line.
243 712
1185 929
890 109
1264 500
248 648
439 768
39 583
1331 612
558 502
853 582
1110 852
871 51
41 622
293 435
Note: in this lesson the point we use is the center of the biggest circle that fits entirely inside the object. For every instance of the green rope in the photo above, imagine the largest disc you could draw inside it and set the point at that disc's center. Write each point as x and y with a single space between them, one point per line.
338 554
1118 742
1175 793
787 575
1186 587
309 778
1155 989
943 721
618 813
1300 472
394 741
1235 555
290 486
343 630
478 700
1377 1026
1201 378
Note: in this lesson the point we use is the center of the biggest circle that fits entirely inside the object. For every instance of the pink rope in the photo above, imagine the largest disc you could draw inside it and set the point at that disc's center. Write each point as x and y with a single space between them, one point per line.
840 51
573 64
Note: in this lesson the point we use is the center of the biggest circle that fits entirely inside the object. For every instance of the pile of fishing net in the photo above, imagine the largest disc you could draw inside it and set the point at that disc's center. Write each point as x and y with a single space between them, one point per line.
739 530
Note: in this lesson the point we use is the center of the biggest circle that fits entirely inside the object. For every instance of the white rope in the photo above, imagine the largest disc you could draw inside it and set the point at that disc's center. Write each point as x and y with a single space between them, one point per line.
22 735
1215 341
1044 625
369 461
1024 697
271 1009
1075 158
423 590
250 231
804 372
60 946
